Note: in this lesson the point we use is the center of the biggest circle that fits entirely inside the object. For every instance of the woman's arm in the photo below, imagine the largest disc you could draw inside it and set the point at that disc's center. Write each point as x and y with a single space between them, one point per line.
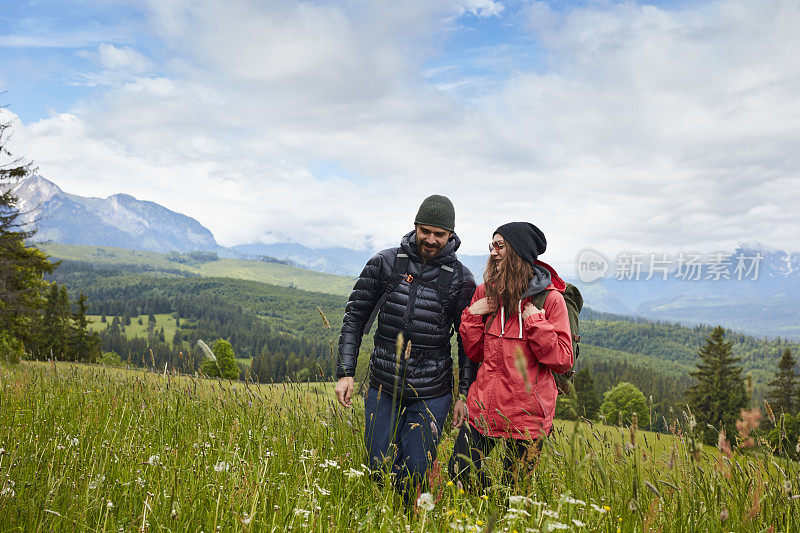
549 335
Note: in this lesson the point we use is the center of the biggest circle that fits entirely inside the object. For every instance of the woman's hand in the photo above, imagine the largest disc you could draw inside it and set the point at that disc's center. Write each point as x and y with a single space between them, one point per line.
529 310
482 307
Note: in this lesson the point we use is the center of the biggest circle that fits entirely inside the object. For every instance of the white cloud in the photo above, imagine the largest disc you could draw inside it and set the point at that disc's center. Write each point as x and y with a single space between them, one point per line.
640 129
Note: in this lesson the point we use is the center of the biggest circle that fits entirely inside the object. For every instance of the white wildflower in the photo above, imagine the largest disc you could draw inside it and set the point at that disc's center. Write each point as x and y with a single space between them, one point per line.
329 463
109 504
302 512
246 519
74 441
552 526
324 492
578 523
425 501
154 460
221 466
8 490
519 500
569 499
352 472
597 508
550 514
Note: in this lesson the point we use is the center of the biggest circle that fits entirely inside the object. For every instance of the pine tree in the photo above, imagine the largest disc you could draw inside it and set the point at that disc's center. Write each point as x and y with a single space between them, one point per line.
719 394
22 267
783 389
83 344
587 396
54 328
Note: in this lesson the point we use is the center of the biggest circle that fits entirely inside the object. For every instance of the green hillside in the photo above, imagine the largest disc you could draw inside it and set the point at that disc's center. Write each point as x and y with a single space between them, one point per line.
203 264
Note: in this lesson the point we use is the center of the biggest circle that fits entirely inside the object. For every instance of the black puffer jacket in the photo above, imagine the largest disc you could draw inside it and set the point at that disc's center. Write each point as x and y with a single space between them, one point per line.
415 310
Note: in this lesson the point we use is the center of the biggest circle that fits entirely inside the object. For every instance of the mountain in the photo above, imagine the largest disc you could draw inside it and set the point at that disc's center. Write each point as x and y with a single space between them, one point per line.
119 220
341 261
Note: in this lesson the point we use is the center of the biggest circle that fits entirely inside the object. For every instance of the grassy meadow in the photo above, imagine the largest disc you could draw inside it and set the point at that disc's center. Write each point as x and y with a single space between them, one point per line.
103 449
264 272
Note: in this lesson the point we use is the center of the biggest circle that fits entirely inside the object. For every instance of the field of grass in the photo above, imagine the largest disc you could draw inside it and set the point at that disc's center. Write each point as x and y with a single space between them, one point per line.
166 321
93 448
272 273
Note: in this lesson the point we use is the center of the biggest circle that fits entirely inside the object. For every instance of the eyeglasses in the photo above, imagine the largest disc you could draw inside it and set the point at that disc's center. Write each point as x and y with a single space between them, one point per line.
496 247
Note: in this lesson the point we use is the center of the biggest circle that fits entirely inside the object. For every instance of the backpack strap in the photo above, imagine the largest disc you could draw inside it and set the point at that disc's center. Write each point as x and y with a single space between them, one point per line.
398 272
446 274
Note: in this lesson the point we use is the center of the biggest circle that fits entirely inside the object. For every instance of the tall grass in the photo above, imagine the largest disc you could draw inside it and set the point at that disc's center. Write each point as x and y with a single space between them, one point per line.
88 448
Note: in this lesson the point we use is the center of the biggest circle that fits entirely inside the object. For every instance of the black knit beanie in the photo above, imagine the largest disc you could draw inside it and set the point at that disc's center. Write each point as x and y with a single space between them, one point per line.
526 239
437 211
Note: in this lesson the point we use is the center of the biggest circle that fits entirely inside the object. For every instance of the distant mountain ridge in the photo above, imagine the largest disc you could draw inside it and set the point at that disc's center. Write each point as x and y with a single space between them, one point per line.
119 220
767 306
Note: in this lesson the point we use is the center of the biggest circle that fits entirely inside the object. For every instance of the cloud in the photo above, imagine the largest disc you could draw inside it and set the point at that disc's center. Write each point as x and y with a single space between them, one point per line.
636 128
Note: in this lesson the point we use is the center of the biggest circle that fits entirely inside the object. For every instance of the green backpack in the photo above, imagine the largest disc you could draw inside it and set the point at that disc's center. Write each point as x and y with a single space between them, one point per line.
574 301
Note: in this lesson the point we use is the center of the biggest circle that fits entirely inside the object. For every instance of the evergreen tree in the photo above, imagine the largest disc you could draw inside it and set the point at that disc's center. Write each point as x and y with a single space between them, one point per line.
587 397
720 393
54 329
83 344
783 389
22 267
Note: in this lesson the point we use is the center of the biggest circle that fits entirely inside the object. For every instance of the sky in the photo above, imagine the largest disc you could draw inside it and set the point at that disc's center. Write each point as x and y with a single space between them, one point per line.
616 126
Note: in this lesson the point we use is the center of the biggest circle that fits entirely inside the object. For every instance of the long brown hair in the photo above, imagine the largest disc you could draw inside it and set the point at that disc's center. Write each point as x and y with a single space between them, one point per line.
507 285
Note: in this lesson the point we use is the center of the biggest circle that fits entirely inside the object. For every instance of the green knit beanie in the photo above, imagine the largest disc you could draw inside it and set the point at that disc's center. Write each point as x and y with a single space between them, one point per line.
438 211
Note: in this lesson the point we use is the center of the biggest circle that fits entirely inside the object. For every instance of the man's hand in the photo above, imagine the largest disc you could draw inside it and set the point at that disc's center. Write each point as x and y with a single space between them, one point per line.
482 307
344 391
529 310
459 413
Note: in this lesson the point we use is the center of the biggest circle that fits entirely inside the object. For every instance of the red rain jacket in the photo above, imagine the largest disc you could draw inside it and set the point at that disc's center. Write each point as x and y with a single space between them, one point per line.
499 402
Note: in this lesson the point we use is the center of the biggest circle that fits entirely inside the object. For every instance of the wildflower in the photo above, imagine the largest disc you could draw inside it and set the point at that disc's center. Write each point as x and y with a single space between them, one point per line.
153 460
352 472
2 451
324 492
519 500
222 466
74 441
8 490
479 522
246 519
109 504
578 523
449 483
425 501
552 526
139 481
484 497
550 514
573 501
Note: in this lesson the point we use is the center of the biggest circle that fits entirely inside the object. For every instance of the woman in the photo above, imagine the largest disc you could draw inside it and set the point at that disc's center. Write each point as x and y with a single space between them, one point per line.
518 347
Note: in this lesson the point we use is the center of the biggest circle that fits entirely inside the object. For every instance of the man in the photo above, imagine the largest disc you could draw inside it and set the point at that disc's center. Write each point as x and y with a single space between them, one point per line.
418 292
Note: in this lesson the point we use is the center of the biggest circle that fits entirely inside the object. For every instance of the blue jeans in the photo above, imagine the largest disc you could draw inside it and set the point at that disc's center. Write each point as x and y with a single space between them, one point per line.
402 434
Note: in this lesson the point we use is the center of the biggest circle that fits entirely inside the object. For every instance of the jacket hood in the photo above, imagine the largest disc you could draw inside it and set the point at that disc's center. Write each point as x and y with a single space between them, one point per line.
555 280
539 282
446 256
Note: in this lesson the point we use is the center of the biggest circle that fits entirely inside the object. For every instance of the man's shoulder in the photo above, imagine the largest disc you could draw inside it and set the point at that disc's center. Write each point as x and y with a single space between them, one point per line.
466 276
